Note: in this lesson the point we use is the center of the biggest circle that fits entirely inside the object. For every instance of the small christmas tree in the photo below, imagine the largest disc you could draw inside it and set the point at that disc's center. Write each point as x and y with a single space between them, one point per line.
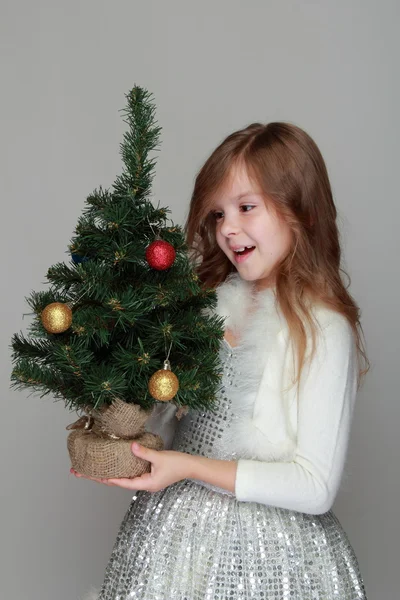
127 306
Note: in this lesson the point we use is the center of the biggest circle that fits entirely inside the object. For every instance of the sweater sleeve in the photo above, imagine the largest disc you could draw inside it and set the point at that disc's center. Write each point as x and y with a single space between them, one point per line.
325 405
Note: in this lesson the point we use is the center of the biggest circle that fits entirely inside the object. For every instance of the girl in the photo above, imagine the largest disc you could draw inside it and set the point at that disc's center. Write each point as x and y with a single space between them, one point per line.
240 507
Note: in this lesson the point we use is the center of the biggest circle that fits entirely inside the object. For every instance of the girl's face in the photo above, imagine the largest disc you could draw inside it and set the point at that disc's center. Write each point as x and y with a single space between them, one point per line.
248 230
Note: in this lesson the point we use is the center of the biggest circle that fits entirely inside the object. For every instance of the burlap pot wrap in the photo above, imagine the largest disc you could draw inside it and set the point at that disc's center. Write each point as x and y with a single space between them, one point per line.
100 444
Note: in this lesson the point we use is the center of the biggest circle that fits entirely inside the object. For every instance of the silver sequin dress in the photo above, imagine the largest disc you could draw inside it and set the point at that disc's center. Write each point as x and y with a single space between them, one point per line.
195 542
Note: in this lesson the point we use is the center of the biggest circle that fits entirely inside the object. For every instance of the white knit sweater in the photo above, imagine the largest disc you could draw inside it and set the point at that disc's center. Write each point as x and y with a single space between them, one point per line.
293 444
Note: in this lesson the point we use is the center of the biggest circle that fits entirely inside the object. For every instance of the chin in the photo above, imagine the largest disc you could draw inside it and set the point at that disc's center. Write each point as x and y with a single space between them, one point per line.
261 280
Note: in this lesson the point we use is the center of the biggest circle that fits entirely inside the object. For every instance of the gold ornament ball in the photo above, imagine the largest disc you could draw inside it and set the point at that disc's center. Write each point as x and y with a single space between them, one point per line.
56 317
163 385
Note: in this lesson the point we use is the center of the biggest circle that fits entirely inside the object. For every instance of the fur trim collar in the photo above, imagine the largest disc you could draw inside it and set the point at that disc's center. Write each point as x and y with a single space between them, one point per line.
256 321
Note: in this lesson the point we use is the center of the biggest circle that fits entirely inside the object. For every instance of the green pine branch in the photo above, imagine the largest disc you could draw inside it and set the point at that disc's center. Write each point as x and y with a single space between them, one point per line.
127 317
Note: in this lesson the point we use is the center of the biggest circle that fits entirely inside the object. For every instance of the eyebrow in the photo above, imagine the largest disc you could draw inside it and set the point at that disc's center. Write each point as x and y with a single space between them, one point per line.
245 194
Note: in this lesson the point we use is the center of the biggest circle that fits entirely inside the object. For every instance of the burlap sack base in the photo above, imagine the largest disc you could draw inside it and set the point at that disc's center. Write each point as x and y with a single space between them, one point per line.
106 458
125 420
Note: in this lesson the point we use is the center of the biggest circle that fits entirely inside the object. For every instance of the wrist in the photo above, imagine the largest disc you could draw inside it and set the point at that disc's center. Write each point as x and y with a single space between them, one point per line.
221 473
191 466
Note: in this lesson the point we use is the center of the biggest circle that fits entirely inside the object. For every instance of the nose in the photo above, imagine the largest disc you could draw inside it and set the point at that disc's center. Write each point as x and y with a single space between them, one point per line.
229 226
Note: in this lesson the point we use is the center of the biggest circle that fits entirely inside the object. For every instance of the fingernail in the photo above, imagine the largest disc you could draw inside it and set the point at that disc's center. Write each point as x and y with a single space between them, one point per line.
135 446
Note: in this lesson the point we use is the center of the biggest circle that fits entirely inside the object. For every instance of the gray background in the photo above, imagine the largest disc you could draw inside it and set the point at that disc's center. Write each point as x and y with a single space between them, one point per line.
330 67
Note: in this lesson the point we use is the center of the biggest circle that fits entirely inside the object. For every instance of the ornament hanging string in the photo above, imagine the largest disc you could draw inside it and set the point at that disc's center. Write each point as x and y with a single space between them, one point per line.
72 303
156 235
163 384
170 346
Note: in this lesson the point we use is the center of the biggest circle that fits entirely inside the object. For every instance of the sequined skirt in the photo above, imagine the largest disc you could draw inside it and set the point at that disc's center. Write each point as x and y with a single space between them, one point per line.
188 542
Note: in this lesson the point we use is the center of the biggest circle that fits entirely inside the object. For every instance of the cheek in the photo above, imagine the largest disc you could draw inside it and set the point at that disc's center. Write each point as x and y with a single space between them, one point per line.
219 238
286 242
280 242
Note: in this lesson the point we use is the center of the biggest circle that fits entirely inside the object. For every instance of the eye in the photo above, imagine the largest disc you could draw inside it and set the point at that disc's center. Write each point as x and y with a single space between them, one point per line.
217 214
246 207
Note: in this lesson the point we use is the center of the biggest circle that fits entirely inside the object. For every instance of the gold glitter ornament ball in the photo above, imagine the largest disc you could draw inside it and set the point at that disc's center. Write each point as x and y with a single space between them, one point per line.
163 384
56 317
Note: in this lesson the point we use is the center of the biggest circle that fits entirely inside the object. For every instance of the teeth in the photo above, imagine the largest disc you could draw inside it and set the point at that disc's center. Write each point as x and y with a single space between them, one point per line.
243 248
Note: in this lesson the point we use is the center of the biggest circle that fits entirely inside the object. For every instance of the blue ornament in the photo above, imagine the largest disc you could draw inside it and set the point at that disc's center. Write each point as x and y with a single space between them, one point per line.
77 258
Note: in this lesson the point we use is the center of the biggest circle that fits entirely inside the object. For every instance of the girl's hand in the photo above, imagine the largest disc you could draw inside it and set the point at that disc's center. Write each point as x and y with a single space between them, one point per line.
167 467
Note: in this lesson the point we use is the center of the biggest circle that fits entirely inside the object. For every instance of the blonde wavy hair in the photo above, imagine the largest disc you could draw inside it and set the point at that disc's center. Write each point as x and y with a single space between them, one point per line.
287 165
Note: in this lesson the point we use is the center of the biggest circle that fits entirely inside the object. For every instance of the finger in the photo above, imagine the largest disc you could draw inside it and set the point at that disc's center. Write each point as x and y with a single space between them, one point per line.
145 480
143 452
82 476
141 483
125 483
121 481
78 474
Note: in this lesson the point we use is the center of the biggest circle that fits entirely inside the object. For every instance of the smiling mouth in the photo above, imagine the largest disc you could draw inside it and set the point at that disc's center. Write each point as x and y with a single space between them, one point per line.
244 250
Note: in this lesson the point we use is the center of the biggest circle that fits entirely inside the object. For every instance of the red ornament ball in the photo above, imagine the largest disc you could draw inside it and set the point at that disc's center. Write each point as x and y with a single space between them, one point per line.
160 255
